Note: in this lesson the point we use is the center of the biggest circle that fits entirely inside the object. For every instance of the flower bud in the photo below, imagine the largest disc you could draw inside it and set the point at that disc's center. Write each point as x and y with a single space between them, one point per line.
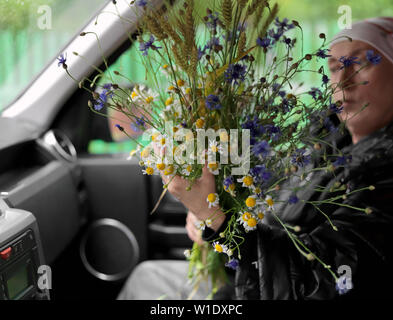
310 257
82 34
296 229
187 253
368 210
317 146
294 169
222 234
308 56
371 188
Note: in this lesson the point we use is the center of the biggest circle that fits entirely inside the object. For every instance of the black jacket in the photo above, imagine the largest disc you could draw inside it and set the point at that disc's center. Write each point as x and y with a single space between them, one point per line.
363 242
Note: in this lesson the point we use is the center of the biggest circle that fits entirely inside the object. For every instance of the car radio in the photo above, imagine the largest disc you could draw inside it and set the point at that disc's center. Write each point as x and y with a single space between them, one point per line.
20 256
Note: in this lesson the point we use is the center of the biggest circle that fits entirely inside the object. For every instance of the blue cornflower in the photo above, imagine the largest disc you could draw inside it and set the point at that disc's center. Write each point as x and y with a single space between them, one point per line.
201 52
62 61
145 46
335 108
275 87
346 62
118 126
140 121
107 86
325 79
212 43
374 59
288 42
283 25
256 129
212 21
213 102
343 284
342 160
235 73
261 148
141 3
233 264
293 199
282 93
300 159
315 93
139 124
228 181
329 125
275 35
274 131
260 174
103 98
322 53
264 43
285 105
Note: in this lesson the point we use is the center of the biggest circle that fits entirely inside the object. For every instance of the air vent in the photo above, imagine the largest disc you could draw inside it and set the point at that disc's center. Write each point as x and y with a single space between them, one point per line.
56 142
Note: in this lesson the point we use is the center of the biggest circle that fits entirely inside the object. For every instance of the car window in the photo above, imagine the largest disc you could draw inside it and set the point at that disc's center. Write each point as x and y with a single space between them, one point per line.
32 33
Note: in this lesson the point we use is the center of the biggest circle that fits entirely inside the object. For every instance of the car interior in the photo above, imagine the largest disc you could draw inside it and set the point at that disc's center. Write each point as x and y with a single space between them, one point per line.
86 216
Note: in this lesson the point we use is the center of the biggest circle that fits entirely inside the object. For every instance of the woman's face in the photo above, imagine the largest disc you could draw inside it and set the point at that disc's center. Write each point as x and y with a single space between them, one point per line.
378 92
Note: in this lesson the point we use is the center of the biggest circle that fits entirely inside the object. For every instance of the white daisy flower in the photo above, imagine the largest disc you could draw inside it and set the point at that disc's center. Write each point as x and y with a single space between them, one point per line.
252 201
160 166
132 154
220 248
260 215
187 170
213 199
149 171
209 222
200 225
169 171
270 203
214 168
160 141
146 153
200 123
248 220
213 148
248 181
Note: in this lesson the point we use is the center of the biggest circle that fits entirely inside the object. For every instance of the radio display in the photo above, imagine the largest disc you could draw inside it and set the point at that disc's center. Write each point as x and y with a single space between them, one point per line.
18 282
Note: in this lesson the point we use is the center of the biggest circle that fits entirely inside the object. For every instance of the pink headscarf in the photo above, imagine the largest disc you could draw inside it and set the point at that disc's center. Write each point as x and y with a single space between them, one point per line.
377 32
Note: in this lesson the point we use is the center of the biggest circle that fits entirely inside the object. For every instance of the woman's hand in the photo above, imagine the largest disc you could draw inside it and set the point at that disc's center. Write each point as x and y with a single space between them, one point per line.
193 232
195 199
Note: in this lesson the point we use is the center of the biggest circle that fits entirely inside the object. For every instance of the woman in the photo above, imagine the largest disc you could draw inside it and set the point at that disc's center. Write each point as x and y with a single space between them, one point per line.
362 247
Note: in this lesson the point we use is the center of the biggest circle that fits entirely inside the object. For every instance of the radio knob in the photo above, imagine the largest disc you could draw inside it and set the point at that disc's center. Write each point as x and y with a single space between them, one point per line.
5 254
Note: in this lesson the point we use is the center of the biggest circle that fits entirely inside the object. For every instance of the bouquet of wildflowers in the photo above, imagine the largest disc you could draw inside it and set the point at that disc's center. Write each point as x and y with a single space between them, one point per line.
229 75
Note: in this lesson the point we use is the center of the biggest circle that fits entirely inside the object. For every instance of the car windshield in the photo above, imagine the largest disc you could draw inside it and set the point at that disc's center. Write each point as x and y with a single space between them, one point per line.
32 33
